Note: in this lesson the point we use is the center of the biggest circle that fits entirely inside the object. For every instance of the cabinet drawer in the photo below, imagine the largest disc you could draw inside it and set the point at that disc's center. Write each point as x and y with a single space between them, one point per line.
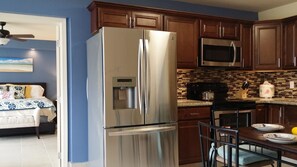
188 113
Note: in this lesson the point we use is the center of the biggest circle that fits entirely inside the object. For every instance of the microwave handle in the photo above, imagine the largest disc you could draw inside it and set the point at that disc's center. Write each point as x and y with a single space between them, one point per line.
234 55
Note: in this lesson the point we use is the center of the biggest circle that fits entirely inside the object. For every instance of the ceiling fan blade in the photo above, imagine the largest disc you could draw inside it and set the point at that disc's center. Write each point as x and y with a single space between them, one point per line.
17 39
21 35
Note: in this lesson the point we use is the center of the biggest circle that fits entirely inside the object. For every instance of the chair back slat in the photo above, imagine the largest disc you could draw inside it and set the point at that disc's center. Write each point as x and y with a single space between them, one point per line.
226 138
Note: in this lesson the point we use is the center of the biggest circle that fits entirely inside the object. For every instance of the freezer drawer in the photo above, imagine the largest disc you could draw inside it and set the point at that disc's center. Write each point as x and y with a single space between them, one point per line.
145 146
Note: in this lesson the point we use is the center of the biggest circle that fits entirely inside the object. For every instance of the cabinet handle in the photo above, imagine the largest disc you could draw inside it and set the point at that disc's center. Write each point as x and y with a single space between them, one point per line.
294 56
223 31
194 114
278 62
134 20
130 22
280 115
204 27
220 29
242 62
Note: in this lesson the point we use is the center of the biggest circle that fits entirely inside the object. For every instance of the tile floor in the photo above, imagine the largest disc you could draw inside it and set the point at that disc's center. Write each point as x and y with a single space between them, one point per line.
28 151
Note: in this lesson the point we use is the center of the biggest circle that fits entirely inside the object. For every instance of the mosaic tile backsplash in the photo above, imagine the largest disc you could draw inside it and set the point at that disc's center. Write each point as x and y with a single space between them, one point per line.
234 80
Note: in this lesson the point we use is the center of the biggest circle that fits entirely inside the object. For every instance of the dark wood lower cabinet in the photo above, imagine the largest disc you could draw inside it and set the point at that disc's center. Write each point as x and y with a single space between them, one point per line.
279 114
188 141
261 114
188 133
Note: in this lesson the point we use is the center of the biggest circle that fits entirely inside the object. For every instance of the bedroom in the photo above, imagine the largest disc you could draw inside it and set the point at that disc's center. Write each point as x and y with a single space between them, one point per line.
43 54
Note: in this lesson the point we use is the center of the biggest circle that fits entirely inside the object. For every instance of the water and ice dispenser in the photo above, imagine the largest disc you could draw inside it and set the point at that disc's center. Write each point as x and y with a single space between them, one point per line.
124 92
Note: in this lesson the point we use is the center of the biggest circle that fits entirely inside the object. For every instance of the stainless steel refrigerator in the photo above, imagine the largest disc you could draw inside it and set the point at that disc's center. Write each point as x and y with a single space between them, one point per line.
132 99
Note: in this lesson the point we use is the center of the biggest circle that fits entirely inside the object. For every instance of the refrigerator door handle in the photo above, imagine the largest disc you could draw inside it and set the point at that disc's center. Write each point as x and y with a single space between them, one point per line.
142 131
147 76
139 80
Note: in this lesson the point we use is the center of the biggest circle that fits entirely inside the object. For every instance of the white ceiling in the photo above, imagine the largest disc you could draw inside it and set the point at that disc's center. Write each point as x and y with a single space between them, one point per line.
24 24
246 5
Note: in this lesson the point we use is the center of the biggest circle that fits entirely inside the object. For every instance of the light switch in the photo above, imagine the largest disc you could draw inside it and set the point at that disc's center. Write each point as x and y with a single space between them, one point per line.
292 86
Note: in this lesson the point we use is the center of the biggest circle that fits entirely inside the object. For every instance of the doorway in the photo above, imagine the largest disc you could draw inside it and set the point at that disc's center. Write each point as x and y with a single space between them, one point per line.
59 25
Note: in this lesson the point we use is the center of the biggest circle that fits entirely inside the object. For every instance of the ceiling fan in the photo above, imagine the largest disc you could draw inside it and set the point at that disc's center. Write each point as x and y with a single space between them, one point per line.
5 35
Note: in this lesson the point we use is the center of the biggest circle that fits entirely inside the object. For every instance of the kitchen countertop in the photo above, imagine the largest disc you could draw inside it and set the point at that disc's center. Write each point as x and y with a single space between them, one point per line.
283 101
192 103
258 100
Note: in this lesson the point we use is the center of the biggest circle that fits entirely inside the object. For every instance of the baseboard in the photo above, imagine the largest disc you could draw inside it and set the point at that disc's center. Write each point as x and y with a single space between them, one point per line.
78 164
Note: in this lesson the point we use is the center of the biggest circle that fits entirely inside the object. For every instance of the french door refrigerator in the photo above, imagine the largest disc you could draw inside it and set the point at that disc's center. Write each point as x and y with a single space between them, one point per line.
132 98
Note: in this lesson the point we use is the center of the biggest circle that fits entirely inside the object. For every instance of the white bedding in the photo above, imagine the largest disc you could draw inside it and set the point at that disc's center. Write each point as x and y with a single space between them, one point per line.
49 112
20 107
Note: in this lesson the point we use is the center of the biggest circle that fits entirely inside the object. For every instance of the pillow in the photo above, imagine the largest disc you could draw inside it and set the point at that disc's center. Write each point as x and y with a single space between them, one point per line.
19 91
3 88
28 91
34 91
6 94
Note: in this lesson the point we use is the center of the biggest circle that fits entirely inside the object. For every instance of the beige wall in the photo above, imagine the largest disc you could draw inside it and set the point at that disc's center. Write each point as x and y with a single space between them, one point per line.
279 12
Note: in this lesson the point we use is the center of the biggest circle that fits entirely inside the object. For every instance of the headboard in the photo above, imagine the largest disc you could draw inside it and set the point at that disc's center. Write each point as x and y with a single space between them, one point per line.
43 84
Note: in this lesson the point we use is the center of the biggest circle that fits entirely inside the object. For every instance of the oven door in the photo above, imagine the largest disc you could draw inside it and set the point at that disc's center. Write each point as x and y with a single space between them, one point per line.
233 118
219 52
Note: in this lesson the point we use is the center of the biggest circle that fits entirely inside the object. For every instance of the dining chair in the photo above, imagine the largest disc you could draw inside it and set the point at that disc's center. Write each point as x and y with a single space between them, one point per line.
225 148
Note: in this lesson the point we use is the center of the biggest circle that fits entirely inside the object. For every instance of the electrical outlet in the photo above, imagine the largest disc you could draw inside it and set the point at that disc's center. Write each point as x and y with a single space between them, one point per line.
292 84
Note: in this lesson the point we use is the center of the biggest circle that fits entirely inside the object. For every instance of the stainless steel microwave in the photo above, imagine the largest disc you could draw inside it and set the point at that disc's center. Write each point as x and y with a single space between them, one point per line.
220 53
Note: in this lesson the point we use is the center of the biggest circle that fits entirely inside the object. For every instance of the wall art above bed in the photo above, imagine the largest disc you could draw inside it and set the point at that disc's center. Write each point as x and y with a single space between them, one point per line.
13 64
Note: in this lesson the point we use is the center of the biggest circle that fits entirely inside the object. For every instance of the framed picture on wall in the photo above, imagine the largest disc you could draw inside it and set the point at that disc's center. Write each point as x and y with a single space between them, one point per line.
13 64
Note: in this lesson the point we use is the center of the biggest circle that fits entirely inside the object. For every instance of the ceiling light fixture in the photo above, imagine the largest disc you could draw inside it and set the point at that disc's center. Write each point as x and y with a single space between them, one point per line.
4 41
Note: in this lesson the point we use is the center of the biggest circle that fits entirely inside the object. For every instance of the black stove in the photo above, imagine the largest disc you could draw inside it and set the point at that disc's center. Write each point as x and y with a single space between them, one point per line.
225 112
220 100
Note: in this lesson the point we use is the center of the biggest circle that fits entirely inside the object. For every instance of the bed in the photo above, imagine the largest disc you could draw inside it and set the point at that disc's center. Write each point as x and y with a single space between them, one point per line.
22 99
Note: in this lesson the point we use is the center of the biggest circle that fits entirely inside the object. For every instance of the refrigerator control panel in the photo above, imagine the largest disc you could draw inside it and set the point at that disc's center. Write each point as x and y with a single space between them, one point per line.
124 92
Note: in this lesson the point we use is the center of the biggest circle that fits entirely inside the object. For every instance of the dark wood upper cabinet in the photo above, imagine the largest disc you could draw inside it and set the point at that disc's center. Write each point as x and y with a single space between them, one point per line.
267 46
218 29
147 20
289 45
114 15
247 46
113 18
187 39
210 28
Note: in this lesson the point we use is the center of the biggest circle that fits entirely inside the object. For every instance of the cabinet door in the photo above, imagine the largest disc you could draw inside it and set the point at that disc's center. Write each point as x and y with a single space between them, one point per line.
114 18
290 45
290 119
261 114
290 115
230 30
210 28
147 20
247 46
187 40
267 46
275 114
188 141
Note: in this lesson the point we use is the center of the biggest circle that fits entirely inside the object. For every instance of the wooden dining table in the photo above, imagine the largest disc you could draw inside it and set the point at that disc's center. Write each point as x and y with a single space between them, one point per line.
255 137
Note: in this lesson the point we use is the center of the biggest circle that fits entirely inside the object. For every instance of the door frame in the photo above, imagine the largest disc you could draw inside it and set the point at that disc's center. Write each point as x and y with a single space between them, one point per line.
60 25
62 91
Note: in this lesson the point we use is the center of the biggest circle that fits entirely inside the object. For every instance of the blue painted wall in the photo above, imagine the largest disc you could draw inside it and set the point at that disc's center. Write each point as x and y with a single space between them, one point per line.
78 26
44 63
